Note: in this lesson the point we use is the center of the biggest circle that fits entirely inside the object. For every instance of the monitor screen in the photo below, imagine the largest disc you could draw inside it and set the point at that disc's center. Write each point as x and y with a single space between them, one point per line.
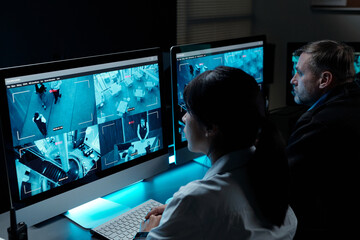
69 123
187 61
357 64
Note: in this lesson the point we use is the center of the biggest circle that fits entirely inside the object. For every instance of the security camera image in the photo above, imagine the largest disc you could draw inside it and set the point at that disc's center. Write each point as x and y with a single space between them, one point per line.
67 125
128 138
249 60
51 108
54 161
295 60
357 65
126 92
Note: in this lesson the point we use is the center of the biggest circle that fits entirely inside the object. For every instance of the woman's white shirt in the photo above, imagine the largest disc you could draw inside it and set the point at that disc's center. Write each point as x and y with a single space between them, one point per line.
216 207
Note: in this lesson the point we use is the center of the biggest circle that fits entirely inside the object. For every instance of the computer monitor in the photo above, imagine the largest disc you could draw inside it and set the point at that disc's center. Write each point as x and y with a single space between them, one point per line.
79 129
292 60
187 61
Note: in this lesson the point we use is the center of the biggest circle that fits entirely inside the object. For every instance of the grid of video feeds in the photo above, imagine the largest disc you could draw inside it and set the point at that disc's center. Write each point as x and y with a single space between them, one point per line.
249 60
67 129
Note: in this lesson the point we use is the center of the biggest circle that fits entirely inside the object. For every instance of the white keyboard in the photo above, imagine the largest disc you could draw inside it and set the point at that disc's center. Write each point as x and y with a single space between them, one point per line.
126 225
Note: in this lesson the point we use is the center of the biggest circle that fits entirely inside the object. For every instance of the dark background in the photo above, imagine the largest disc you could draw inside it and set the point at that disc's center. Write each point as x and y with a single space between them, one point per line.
39 31
42 31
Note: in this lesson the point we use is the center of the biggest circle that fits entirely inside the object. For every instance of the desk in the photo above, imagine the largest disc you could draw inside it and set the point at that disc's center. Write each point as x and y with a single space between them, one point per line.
128 81
122 108
139 94
149 85
115 89
160 188
141 146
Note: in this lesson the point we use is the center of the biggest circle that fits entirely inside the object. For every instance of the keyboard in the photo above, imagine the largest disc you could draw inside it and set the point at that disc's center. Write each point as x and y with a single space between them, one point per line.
126 225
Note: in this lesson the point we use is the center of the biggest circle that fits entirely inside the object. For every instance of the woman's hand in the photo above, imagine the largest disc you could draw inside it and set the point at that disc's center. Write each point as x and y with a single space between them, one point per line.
152 219
156 211
150 223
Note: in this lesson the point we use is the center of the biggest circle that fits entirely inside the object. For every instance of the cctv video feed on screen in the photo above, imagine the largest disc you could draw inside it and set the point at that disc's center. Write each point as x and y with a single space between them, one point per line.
247 56
69 124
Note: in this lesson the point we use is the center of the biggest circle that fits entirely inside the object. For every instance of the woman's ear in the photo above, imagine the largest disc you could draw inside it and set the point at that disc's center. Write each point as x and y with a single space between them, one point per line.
211 130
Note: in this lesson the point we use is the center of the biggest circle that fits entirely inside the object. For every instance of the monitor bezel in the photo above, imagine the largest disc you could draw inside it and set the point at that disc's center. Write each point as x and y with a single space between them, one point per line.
136 167
182 154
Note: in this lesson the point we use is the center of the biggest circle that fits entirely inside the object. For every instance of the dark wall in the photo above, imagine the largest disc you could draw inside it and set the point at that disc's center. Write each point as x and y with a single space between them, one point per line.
38 31
41 31
285 21
4 190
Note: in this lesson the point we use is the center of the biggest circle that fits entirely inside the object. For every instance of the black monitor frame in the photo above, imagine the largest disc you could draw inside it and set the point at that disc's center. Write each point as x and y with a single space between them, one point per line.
55 201
182 154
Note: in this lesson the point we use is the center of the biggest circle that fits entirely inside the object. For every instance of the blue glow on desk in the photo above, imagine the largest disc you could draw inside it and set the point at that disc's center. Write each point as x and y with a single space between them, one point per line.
96 212
129 194
160 188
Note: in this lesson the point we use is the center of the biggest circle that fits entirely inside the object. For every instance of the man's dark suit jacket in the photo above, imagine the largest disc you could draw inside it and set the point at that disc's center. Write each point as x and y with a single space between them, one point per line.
324 155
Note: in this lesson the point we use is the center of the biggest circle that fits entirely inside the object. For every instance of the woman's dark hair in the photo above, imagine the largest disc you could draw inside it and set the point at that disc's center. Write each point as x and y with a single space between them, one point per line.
231 100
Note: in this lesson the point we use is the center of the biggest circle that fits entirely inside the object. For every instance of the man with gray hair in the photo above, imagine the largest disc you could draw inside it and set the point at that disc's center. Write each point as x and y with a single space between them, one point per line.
323 149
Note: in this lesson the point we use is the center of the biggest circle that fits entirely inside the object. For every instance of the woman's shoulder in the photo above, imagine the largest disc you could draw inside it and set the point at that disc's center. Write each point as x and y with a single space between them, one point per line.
219 188
198 189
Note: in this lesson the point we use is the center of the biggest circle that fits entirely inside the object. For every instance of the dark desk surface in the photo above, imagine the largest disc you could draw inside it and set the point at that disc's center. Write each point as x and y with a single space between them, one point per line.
160 188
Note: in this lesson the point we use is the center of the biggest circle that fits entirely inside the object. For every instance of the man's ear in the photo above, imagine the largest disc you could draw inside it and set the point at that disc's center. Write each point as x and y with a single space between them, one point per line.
326 79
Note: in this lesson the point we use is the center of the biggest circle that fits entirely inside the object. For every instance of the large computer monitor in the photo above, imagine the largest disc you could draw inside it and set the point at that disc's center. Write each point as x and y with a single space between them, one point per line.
79 129
187 61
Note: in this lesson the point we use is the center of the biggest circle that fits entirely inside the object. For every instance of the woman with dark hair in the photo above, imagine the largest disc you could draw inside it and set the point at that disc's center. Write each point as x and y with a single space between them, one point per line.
244 195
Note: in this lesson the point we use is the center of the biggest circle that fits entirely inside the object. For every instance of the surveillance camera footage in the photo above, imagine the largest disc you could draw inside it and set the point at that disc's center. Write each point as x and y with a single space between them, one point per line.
67 128
249 60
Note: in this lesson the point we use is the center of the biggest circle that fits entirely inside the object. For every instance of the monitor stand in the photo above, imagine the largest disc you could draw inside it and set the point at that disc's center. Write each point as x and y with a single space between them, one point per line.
95 213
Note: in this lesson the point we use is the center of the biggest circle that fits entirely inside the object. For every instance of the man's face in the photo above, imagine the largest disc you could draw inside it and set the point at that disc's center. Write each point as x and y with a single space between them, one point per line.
305 83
